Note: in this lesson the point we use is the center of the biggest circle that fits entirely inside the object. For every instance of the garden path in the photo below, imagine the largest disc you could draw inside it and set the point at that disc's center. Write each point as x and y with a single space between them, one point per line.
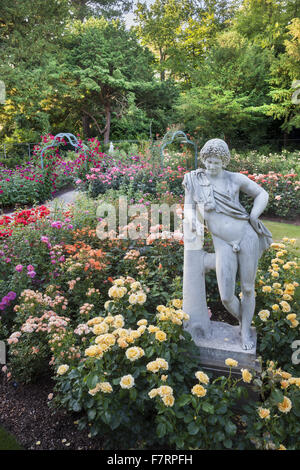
65 198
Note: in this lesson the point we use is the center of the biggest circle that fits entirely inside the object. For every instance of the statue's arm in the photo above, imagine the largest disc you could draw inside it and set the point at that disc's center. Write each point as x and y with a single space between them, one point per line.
189 203
259 195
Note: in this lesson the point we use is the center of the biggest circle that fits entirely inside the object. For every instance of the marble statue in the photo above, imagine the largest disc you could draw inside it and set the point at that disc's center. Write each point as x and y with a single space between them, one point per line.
239 238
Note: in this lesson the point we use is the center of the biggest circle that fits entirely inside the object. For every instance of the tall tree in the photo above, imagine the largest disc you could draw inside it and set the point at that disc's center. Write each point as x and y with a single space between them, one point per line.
100 78
178 32
29 53
227 93
82 9
285 75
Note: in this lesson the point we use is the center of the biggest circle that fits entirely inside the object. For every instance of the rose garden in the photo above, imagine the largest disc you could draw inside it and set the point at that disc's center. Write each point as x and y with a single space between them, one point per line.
96 350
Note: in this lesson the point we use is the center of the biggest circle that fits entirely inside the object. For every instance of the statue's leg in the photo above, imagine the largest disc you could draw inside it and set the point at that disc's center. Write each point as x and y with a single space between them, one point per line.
248 260
226 270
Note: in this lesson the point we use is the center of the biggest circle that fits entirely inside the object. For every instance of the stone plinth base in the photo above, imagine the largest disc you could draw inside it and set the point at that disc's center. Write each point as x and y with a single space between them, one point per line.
225 342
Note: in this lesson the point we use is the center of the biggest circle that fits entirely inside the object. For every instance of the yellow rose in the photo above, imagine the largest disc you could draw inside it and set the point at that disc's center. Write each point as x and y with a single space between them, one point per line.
264 315
133 354
285 375
153 329
93 391
105 387
161 308
127 381
287 297
142 322
275 307
164 378
118 282
281 447
160 336
109 319
141 298
141 329
118 321
96 320
135 285
285 406
231 362
122 343
153 366
62 369
163 364
198 390
92 351
153 393
284 384
264 413
295 381
285 306
267 289
165 390
177 303
202 377
132 299
100 329
168 400
246 375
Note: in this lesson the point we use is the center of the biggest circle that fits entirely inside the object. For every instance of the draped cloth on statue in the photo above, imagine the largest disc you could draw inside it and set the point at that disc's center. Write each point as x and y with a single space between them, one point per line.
203 192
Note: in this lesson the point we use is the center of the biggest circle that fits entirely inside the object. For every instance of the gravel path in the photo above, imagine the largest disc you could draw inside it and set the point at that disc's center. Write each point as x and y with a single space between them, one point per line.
64 198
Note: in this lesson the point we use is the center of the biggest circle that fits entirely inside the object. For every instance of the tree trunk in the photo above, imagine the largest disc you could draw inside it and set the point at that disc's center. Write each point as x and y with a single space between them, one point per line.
161 61
107 125
85 126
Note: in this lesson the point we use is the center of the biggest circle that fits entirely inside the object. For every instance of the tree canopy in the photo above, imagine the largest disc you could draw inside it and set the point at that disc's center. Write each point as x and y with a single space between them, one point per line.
214 67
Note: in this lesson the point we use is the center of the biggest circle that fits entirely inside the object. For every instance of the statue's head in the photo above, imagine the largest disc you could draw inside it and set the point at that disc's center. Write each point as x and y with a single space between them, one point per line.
217 149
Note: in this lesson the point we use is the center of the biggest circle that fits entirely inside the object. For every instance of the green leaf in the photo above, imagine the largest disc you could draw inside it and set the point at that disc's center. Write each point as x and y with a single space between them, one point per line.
193 428
161 430
208 408
228 443
230 428
91 414
277 396
76 406
133 394
184 400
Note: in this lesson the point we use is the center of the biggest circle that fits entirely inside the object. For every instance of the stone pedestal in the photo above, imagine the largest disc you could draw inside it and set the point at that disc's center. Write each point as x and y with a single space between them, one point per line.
225 342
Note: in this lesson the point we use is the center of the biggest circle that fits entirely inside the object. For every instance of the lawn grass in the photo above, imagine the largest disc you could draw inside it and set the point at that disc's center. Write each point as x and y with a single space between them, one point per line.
280 230
8 442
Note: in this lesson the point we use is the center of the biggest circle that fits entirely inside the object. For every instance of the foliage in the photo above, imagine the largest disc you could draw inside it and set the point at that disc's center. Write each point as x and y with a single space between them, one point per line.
142 367
273 424
277 303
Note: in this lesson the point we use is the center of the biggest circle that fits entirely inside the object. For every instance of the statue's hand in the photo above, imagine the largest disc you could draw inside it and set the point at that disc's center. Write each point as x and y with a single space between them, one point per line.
255 224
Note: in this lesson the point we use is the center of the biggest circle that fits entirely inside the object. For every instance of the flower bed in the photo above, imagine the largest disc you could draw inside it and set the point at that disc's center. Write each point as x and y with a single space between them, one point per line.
104 318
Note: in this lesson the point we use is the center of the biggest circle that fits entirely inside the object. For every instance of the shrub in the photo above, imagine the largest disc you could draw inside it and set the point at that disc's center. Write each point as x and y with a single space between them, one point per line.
277 303
274 422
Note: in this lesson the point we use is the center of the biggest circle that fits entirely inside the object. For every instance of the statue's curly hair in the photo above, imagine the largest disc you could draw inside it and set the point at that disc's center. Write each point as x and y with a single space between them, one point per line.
216 148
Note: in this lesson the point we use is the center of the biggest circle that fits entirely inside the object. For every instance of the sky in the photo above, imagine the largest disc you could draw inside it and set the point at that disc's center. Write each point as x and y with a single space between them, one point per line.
129 18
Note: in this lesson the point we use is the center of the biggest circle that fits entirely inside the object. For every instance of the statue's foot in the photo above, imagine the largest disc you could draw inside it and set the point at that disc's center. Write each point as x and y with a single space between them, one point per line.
247 342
